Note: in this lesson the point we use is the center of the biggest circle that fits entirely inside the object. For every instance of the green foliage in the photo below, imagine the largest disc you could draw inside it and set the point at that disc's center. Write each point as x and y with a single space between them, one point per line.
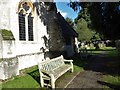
70 21
82 29
83 25
83 14
95 37
102 16
7 34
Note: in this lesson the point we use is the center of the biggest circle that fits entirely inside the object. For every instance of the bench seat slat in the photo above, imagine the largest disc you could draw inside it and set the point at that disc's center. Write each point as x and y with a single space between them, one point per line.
61 70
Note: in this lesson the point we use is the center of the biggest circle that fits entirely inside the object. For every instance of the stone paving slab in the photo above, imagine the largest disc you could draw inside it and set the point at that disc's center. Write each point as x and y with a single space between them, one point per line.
62 82
86 79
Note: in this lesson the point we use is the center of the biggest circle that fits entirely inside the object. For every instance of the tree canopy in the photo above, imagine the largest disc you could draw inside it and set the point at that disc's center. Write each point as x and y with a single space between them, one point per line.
69 20
103 17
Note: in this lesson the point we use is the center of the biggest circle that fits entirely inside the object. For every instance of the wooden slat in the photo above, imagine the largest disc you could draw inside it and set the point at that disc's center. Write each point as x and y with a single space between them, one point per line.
49 65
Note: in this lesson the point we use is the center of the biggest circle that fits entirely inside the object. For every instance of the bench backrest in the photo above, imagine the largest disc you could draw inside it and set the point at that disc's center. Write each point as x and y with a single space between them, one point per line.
50 65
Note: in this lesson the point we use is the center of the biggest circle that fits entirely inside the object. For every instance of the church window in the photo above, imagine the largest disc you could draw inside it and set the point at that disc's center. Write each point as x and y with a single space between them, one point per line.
25 15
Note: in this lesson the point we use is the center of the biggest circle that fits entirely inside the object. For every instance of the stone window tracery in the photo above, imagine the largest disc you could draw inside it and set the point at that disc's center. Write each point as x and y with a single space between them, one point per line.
25 15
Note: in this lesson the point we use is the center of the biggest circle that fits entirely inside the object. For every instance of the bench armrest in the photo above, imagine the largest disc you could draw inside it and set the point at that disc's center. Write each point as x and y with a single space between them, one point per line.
68 60
71 63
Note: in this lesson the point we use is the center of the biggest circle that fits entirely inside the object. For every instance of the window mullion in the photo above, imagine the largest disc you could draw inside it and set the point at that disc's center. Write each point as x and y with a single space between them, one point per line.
26 27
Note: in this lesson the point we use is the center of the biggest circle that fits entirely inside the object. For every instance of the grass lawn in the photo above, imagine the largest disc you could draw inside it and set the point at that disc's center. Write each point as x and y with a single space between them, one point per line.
114 80
25 81
22 81
113 53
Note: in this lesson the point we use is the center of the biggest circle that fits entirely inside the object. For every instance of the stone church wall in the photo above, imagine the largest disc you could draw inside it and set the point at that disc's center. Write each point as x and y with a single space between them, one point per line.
15 54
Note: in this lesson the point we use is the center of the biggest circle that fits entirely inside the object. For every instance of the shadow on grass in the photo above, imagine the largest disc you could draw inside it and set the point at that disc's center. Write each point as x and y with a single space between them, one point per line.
106 64
103 64
112 86
78 61
35 74
100 60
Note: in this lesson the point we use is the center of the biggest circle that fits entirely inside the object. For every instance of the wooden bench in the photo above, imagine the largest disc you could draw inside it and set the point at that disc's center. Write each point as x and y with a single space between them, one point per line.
52 69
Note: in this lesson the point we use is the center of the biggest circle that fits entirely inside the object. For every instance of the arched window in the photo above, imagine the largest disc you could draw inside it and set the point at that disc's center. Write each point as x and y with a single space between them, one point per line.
25 15
22 30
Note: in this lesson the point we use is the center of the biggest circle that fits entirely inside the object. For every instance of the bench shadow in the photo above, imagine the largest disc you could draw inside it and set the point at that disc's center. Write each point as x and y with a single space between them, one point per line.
35 75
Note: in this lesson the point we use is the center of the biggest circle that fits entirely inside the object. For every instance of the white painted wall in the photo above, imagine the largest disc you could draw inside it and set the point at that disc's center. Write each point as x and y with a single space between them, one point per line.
76 43
26 61
9 20
9 49
26 51
2 71
8 68
4 14
1 49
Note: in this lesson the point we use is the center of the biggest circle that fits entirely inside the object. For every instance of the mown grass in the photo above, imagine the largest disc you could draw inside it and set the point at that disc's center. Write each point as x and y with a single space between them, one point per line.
25 81
114 80
113 53
111 82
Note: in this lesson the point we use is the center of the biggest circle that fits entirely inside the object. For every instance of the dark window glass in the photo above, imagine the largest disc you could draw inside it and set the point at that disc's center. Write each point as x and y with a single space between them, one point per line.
22 33
30 27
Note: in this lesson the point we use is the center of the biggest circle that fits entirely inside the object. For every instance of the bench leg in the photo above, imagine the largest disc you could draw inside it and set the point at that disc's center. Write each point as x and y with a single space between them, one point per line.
41 81
71 67
52 81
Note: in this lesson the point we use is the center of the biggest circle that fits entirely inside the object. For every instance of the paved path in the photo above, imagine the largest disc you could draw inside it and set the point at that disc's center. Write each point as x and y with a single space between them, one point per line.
86 79
91 77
